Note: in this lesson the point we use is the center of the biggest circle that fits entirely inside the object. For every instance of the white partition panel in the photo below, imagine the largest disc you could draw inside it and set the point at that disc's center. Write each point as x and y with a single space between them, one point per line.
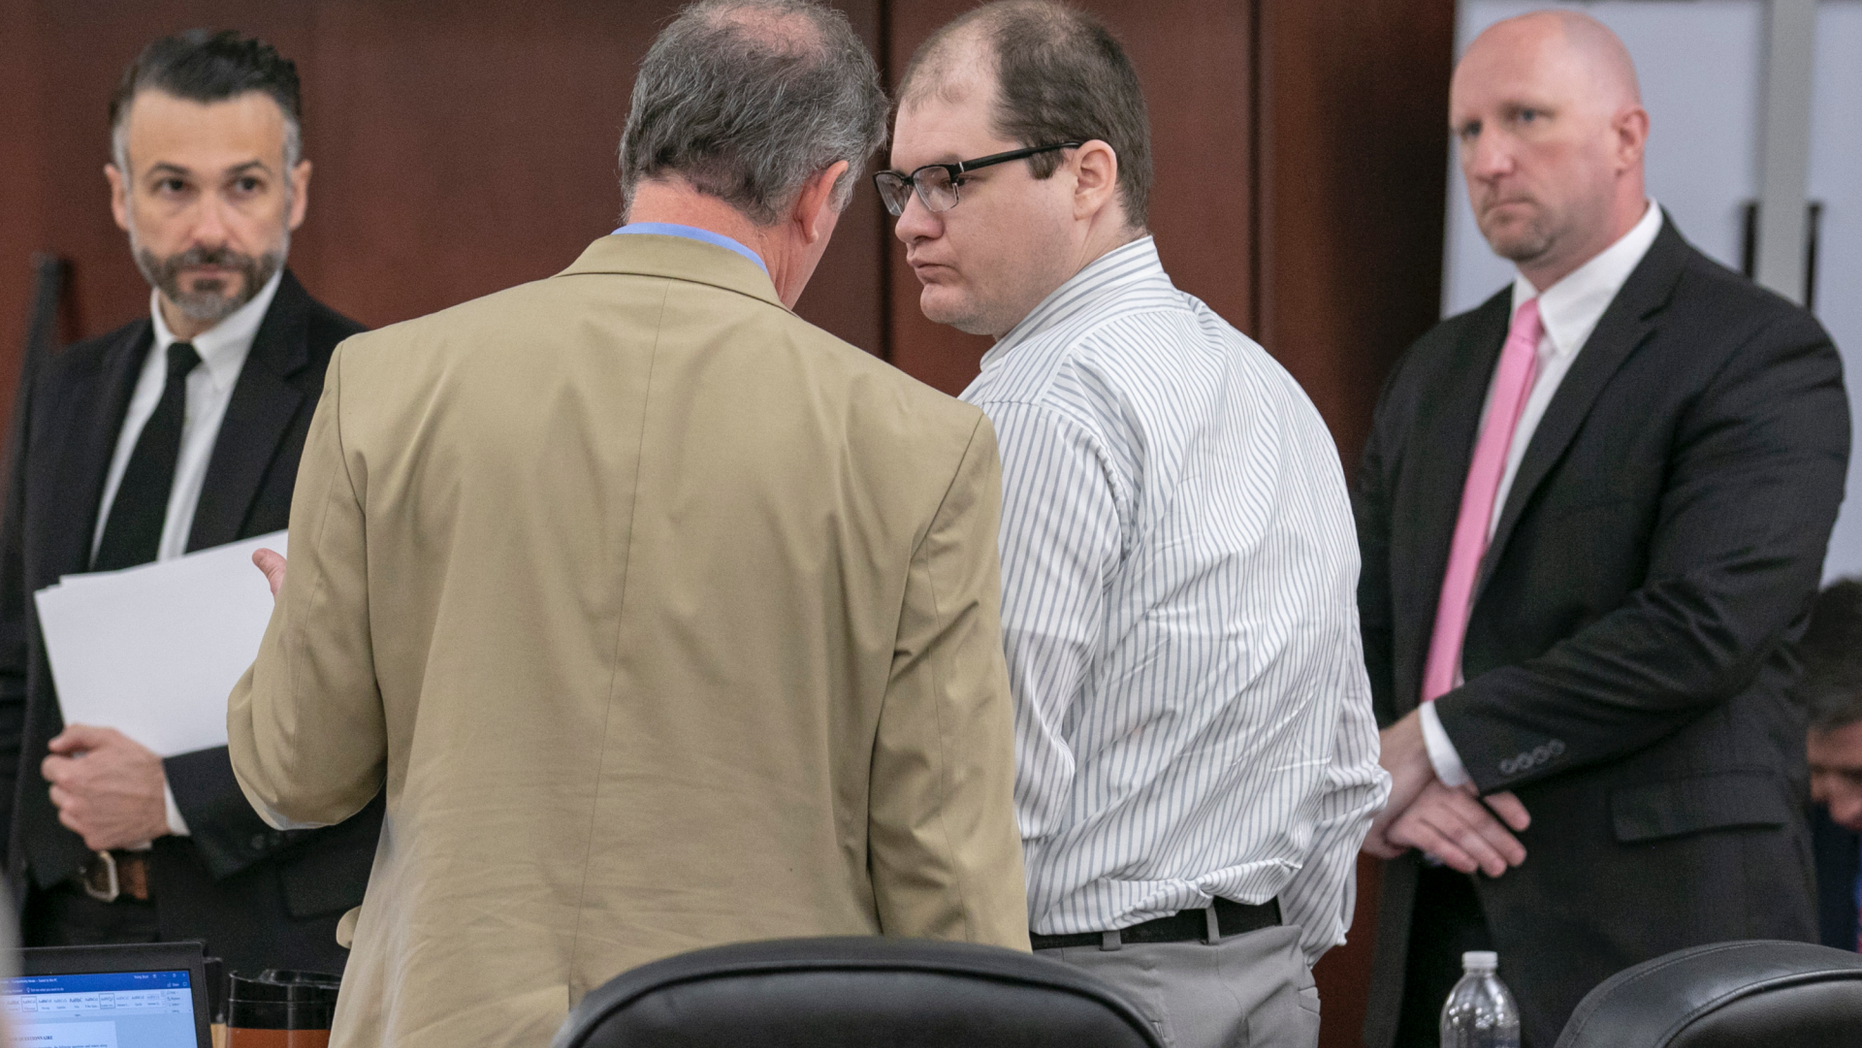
1836 181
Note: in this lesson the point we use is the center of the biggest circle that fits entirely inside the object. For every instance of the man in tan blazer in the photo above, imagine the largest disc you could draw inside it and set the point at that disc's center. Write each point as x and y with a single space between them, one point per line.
665 618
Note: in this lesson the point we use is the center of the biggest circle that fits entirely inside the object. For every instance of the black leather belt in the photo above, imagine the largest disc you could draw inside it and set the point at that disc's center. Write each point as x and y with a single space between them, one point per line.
1212 924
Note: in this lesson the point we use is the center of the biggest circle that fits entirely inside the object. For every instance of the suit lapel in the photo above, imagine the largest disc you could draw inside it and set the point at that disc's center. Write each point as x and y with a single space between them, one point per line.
84 459
258 416
1624 327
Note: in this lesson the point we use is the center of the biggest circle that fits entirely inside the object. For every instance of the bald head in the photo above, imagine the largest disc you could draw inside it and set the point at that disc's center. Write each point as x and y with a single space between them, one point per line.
1604 73
1551 128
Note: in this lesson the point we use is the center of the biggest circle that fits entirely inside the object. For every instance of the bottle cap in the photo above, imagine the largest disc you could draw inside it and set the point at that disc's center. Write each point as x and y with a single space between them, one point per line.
1480 961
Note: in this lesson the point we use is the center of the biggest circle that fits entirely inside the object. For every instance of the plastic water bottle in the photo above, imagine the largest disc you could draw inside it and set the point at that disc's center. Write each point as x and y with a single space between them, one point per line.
1480 1013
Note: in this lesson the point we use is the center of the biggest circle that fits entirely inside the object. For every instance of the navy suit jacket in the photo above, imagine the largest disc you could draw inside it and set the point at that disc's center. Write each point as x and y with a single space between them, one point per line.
1839 860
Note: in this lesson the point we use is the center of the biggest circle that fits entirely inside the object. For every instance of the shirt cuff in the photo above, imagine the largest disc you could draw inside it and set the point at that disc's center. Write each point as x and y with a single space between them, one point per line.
1448 766
178 826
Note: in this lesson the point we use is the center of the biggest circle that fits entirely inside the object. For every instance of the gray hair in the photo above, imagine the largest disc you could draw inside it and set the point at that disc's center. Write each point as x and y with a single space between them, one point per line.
746 100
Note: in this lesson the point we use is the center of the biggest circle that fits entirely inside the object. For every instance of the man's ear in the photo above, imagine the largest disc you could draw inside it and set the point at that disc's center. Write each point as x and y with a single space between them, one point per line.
1095 168
1632 135
300 194
119 195
816 202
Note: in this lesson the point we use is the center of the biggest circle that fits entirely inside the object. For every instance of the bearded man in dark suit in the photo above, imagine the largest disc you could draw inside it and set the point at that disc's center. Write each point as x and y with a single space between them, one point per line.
179 431
1592 514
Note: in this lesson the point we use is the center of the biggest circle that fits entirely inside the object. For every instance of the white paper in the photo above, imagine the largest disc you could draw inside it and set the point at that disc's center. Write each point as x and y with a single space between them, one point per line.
153 651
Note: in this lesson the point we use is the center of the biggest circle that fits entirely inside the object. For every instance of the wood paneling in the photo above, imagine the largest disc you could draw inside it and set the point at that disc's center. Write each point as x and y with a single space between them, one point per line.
1354 137
22 215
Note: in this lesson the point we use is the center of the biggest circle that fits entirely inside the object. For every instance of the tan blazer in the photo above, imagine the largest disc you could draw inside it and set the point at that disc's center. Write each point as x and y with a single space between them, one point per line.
667 620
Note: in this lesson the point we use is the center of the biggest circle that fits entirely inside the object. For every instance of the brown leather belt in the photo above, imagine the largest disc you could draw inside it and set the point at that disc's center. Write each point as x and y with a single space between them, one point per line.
113 875
1210 924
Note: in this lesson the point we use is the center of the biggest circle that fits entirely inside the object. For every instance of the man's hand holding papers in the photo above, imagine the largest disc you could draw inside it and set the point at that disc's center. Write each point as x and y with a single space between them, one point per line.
272 564
109 788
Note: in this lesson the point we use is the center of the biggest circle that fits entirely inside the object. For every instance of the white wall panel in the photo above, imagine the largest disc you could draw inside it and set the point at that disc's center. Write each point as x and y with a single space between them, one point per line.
1836 180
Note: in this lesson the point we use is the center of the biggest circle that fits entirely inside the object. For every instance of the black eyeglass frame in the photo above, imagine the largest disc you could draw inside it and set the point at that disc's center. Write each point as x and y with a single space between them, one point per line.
956 172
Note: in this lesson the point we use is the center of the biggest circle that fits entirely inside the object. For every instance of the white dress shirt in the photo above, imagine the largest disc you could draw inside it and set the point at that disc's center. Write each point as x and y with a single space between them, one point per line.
1569 311
1193 717
223 349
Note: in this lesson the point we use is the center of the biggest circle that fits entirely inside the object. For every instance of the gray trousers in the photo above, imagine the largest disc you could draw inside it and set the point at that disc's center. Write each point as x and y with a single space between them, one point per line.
1247 991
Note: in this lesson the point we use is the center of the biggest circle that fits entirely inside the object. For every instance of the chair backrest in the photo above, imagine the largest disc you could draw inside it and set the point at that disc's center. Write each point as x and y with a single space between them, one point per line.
855 992
1724 995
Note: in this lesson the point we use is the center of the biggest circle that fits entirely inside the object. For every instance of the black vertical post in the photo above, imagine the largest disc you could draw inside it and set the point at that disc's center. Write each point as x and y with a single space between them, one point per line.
50 274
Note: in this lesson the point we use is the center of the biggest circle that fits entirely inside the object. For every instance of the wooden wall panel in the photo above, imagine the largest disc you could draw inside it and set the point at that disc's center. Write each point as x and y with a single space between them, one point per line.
1354 145
480 141
23 213
461 147
1193 58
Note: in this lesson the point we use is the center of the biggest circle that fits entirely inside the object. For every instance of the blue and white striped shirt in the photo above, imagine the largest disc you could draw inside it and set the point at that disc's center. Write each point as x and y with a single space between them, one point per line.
1179 601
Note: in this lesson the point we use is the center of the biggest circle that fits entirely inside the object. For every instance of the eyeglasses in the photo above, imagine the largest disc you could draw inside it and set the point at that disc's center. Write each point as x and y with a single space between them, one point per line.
937 184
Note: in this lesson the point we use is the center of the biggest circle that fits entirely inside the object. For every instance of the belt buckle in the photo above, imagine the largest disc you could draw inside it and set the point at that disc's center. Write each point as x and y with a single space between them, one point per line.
88 878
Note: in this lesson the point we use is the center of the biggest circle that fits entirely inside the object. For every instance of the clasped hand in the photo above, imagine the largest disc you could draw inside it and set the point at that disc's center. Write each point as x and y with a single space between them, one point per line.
1451 823
108 788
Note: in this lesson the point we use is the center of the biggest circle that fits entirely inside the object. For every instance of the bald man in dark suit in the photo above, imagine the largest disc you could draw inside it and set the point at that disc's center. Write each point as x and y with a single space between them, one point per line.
1592 513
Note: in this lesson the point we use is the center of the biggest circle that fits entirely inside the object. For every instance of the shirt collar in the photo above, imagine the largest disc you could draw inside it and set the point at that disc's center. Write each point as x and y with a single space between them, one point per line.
674 229
222 347
1121 267
1571 308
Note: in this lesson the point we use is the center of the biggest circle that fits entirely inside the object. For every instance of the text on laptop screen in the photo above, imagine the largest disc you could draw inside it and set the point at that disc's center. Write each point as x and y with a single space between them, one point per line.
102 1010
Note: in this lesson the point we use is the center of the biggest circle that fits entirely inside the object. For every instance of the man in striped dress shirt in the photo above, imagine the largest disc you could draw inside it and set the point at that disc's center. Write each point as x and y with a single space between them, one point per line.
1196 751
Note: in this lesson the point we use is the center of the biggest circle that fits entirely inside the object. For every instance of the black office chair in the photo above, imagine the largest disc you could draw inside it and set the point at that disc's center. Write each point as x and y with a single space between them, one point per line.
1726 995
859 992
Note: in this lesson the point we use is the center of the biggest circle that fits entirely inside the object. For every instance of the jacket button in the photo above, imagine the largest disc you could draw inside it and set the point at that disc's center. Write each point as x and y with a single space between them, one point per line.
258 842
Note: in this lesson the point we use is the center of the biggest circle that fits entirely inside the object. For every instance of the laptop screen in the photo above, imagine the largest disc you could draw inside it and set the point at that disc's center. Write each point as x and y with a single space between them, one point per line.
102 1010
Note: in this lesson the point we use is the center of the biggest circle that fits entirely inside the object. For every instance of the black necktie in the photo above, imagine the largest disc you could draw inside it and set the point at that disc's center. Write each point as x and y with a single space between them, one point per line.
134 532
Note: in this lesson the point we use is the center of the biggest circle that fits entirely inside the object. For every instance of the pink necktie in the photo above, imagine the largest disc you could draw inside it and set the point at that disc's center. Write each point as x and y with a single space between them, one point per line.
1518 361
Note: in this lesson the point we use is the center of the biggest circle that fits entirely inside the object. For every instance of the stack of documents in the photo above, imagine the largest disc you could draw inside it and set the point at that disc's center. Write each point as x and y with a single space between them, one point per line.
153 651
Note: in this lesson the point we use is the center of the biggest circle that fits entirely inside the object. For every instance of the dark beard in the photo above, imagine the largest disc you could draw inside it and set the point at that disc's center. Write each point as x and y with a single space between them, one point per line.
210 303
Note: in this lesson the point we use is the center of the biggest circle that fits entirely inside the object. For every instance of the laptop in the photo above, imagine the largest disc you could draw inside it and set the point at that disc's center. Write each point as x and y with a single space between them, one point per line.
132 996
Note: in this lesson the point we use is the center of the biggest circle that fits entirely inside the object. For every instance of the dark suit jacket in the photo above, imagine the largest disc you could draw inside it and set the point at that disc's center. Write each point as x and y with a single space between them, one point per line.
1839 860
258 897
1629 651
